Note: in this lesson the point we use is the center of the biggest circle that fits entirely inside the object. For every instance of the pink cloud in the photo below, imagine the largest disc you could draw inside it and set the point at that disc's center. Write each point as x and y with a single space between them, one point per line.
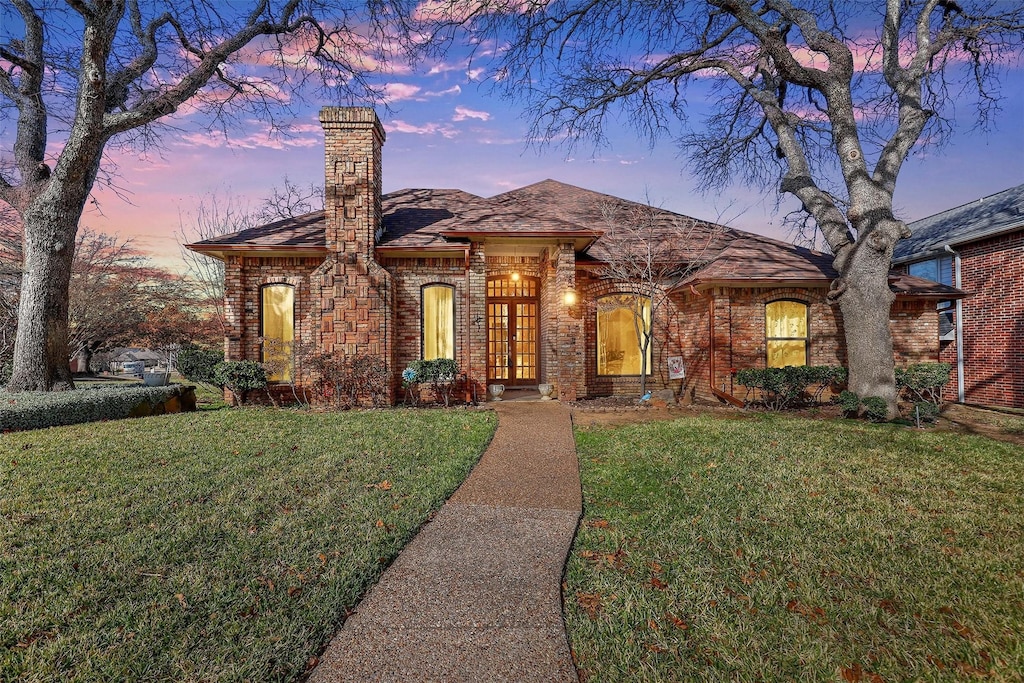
463 113
442 129
396 92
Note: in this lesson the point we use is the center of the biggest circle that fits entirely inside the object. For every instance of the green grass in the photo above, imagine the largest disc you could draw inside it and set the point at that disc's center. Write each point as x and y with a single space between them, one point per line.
220 545
787 549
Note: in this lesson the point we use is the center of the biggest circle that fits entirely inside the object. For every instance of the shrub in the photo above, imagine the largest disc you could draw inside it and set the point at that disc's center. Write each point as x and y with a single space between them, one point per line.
240 376
439 373
344 382
925 411
782 388
875 408
850 403
40 409
923 381
196 365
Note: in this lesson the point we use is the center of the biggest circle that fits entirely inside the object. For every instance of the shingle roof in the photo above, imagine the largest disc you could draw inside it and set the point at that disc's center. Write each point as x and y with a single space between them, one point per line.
302 233
424 220
985 217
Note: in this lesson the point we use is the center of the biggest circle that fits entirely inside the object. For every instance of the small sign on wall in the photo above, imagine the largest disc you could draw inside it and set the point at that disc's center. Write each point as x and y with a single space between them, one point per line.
675 367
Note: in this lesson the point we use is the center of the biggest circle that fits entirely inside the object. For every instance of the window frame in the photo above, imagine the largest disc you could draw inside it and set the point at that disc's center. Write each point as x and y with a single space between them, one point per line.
597 336
289 373
454 327
806 339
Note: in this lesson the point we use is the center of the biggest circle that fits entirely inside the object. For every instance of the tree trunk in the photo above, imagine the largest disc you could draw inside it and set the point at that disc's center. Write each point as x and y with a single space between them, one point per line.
865 300
41 346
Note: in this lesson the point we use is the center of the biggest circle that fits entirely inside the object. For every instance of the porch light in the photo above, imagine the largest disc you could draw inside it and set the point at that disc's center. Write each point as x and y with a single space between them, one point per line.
570 297
515 276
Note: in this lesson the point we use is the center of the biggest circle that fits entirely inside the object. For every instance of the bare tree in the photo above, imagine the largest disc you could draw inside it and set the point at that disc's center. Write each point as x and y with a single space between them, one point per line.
822 99
647 252
102 71
215 215
220 213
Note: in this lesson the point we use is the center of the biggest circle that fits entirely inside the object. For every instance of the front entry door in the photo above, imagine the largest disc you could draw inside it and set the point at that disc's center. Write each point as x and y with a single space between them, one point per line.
513 332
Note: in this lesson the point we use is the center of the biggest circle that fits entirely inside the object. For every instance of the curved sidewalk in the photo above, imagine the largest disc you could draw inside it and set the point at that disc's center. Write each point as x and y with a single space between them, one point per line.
476 595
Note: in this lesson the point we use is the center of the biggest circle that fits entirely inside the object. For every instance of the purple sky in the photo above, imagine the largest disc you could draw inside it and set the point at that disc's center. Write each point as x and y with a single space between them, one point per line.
446 129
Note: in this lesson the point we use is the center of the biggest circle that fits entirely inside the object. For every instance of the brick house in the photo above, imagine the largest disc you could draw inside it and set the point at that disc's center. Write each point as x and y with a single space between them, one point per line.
979 248
512 286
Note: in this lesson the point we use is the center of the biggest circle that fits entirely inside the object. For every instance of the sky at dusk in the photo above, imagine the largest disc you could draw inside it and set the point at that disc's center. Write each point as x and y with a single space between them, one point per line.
446 128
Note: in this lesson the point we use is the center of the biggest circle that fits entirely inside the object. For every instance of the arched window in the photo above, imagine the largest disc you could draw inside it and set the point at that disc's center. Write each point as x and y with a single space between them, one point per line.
437 321
623 320
786 340
277 327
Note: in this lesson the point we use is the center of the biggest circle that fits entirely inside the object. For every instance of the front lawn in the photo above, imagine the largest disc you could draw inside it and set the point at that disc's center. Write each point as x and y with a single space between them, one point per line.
773 548
224 545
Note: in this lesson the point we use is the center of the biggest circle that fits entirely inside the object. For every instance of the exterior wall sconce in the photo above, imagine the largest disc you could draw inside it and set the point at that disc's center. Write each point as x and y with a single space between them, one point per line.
515 276
570 297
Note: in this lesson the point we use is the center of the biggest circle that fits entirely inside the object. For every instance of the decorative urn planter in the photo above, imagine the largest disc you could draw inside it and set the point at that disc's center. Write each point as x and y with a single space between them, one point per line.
545 391
496 391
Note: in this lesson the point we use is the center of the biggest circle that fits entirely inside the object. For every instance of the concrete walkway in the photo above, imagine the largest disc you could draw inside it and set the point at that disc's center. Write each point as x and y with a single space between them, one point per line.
476 596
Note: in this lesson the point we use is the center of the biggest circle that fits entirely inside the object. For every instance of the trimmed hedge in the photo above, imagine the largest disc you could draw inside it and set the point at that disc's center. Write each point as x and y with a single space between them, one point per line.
40 409
782 388
196 365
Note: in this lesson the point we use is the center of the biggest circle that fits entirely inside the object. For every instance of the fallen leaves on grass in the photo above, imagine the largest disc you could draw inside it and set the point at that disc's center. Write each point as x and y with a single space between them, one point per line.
813 614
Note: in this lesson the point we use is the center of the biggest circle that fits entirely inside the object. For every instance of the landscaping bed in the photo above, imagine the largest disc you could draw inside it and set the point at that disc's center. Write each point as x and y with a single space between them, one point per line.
219 545
781 548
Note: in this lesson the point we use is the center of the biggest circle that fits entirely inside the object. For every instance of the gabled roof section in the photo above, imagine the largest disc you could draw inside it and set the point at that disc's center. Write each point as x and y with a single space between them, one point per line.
752 260
986 217
302 235
415 218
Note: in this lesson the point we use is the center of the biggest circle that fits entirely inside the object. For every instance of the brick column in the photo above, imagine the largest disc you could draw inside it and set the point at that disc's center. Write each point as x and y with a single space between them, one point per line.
570 342
234 308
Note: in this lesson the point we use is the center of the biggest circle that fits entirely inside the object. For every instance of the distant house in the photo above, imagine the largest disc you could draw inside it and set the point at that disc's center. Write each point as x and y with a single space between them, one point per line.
512 287
120 357
977 247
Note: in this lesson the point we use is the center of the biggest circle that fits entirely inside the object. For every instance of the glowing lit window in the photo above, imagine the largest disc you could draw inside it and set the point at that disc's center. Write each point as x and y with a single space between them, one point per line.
622 321
786 333
277 327
438 322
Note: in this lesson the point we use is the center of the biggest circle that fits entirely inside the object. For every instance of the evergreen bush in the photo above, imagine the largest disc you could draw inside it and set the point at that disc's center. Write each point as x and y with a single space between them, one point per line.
196 365
240 376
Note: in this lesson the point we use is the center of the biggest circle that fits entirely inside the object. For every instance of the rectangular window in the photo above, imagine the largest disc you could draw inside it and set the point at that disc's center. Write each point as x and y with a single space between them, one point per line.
278 329
785 333
937 270
621 320
438 323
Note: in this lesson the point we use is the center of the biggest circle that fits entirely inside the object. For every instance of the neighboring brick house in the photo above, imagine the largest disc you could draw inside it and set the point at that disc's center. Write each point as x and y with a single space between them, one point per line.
979 248
511 286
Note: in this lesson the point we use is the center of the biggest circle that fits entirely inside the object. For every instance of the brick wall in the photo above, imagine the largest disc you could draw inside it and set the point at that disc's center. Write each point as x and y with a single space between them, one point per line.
992 274
992 271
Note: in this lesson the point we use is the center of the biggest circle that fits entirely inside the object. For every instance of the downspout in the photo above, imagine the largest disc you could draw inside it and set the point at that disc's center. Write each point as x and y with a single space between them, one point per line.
959 327
725 396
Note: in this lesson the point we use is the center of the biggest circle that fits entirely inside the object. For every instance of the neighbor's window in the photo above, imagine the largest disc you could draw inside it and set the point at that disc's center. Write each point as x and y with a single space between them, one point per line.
939 270
619 321
438 322
785 325
277 327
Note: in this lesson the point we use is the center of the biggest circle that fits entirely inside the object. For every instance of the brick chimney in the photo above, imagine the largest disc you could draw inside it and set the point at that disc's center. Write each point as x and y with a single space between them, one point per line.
353 140
355 308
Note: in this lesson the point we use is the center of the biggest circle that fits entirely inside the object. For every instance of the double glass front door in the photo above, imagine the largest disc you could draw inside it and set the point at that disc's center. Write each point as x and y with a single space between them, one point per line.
513 331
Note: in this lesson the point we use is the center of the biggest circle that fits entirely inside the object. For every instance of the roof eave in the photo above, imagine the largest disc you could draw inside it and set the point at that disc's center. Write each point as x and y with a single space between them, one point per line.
221 251
974 237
